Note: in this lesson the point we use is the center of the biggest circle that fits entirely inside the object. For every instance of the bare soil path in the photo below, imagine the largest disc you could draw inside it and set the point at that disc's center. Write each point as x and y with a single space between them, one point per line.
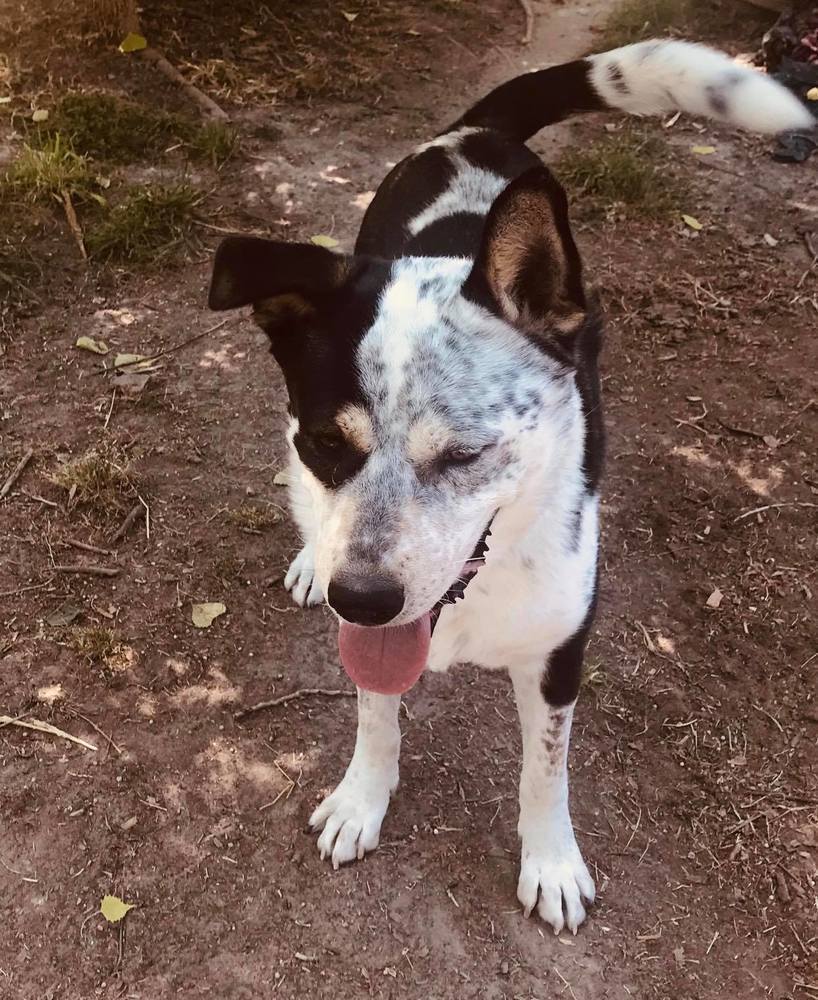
694 762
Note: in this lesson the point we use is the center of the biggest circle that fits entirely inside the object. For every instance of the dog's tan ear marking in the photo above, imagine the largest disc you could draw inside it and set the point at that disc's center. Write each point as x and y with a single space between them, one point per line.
528 264
281 280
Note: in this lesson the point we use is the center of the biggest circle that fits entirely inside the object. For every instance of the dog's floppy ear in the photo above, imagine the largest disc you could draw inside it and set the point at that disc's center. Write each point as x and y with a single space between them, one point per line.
528 267
276 278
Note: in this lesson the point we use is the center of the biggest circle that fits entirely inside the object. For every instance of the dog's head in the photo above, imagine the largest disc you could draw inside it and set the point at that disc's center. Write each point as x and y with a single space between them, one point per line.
426 393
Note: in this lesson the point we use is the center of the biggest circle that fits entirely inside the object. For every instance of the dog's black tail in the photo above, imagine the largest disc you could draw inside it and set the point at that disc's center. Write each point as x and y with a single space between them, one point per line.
647 78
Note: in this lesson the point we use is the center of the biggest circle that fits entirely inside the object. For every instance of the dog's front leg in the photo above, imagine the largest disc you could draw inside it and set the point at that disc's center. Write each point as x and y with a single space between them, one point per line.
301 580
351 816
553 876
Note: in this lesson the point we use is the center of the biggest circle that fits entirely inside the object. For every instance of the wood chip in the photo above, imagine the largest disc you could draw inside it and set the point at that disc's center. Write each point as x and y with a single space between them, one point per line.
715 599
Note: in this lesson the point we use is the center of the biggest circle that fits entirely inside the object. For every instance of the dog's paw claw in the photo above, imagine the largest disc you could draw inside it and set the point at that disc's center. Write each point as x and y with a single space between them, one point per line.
301 580
555 881
350 819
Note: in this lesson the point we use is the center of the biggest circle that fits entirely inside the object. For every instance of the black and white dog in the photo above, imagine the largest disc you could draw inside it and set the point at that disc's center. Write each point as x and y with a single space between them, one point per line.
446 428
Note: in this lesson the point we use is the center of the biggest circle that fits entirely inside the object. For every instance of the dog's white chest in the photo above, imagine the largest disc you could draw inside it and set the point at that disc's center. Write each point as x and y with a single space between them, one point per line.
522 605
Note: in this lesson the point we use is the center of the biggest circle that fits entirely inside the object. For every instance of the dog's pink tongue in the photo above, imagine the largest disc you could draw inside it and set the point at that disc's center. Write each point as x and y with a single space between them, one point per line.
385 660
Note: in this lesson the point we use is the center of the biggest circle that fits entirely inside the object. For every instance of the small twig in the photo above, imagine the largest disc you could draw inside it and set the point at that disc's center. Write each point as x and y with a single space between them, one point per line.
25 878
73 222
90 570
207 105
301 693
45 727
147 518
22 590
39 499
135 513
741 431
774 506
772 718
110 410
529 21
86 547
93 725
16 472
164 353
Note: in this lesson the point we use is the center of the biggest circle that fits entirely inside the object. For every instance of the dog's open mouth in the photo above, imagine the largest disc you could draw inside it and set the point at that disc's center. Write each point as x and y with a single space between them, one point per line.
390 659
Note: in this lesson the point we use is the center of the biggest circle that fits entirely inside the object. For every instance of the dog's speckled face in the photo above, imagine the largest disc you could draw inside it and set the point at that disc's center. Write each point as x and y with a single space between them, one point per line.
448 409
426 393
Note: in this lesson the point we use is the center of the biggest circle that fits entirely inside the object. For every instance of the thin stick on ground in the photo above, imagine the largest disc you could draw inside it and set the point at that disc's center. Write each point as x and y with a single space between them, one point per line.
137 511
74 223
207 104
16 473
45 727
167 351
23 590
774 506
87 547
93 725
292 696
529 21
90 570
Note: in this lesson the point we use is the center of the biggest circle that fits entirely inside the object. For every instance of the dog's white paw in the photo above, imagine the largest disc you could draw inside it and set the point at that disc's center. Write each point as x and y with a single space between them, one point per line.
351 817
554 878
301 580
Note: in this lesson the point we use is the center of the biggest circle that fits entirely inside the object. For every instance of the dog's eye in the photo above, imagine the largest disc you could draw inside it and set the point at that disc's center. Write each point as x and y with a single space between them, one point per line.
460 456
328 441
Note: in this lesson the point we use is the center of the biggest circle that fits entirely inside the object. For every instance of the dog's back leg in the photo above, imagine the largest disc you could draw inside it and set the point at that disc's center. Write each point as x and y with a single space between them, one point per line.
553 876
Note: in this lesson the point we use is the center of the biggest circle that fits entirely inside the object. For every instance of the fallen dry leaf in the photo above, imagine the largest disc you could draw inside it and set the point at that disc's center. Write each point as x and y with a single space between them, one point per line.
41 115
324 241
691 221
113 909
133 42
63 615
89 344
203 615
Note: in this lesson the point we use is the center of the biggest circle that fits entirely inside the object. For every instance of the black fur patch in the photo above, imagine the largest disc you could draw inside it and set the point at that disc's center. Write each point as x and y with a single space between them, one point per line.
406 190
456 235
528 103
617 79
316 353
563 672
716 100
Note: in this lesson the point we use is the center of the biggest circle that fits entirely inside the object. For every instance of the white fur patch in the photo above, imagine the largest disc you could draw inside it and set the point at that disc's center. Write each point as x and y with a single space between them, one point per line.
472 189
657 77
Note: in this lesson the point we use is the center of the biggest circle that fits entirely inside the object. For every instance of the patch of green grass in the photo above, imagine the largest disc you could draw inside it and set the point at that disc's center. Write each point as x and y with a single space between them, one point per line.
102 648
634 20
252 519
102 478
592 674
107 128
147 226
96 644
623 171
44 172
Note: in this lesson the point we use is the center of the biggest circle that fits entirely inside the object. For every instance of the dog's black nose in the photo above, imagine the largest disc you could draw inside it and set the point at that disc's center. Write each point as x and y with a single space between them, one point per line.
365 600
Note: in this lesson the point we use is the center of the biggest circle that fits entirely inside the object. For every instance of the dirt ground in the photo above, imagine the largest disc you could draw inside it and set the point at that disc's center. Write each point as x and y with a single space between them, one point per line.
694 763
